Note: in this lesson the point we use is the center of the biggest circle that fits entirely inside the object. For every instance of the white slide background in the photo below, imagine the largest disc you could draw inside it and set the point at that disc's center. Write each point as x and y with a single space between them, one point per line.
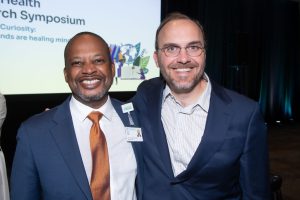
33 35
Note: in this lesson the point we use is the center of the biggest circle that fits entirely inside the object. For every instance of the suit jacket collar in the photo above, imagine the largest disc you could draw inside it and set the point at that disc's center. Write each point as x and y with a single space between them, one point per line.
64 135
213 137
214 134
154 102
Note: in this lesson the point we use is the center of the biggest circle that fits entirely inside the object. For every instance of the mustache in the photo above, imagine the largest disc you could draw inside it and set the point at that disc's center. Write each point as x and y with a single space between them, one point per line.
90 77
181 65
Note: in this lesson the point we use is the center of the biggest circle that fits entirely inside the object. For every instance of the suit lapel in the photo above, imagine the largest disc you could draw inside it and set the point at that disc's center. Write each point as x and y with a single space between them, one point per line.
64 136
214 134
157 131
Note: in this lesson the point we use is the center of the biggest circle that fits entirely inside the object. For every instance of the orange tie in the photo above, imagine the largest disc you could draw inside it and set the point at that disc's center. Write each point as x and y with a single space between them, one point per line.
100 171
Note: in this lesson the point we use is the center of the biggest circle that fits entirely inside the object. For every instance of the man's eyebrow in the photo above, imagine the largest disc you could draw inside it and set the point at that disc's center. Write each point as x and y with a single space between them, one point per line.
170 44
188 44
195 42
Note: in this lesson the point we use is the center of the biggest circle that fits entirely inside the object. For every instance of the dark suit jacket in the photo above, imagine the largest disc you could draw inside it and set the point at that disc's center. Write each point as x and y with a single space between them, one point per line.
47 160
231 161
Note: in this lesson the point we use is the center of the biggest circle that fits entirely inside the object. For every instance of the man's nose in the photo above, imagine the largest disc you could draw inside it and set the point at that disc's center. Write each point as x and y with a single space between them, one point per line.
89 67
183 56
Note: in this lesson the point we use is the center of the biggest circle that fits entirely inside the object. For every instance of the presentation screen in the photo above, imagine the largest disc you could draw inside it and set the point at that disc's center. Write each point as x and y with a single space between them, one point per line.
34 34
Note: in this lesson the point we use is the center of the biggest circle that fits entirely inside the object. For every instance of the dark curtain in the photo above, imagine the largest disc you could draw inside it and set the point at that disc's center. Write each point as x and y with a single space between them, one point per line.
253 48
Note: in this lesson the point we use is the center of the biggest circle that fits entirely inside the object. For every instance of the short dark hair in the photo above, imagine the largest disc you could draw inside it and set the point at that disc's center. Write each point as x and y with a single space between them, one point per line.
85 33
177 16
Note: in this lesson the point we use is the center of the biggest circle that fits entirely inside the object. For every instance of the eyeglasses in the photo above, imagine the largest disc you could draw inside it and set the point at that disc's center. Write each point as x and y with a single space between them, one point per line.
191 50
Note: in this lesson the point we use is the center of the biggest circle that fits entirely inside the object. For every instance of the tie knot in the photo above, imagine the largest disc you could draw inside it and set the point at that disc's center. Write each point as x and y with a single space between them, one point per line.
95 116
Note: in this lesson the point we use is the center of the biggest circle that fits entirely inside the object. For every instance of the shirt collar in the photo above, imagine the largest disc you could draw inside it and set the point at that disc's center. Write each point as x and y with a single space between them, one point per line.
82 111
203 100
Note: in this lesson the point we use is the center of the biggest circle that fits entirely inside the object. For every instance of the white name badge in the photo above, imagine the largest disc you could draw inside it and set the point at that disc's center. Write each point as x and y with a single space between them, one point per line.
128 107
134 134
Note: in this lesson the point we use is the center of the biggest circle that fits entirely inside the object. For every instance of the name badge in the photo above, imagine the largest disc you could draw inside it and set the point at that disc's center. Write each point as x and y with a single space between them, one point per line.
128 107
134 134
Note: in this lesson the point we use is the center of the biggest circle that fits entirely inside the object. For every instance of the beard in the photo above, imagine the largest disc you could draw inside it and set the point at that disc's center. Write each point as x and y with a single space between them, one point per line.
182 85
91 98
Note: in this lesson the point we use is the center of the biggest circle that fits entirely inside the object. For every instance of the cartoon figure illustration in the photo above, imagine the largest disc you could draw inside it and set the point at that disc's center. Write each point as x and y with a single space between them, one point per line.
130 61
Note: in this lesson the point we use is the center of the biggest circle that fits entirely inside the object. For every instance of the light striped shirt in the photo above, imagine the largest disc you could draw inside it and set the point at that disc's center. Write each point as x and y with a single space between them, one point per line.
184 126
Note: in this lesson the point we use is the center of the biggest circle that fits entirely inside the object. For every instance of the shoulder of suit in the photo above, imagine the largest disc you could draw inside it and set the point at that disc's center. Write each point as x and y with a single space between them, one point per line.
154 83
46 116
229 95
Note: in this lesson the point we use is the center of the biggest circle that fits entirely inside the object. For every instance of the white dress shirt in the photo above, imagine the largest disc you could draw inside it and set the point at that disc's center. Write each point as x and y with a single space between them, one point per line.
4 192
123 167
184 126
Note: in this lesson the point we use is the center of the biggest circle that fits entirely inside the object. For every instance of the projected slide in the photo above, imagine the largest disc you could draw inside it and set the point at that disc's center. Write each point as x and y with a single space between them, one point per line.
33 34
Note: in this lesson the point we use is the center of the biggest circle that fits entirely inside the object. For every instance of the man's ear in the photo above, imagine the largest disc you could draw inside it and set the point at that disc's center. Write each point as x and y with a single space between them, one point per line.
66 74
113 69
155 55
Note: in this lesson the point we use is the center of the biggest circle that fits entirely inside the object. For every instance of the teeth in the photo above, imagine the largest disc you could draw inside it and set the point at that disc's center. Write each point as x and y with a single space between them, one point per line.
183 69
90 81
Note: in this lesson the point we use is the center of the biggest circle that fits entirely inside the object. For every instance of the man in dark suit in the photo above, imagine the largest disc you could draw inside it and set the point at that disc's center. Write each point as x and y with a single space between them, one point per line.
201 141
53 159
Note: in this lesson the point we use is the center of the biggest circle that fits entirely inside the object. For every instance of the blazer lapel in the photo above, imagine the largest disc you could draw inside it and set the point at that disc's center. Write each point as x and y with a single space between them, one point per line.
64 135
214 134
157 131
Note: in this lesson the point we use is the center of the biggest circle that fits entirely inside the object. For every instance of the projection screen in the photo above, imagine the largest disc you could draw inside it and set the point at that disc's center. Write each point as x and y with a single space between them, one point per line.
34 33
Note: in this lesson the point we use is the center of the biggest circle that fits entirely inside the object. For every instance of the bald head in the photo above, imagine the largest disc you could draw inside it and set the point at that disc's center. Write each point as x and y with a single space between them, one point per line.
79 35
173 17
